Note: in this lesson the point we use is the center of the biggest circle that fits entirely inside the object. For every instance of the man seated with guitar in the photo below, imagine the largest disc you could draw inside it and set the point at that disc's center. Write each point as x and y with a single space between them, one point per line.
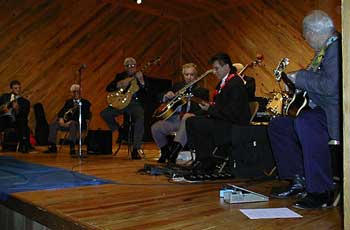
176 123
300 144
15 109
124 80
68 120
229 106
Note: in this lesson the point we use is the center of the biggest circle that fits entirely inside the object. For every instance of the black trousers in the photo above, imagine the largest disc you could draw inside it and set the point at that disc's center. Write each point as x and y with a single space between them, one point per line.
22 131
204 134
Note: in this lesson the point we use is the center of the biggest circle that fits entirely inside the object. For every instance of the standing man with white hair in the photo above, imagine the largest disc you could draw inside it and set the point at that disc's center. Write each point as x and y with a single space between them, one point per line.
300 145
134 109
68 119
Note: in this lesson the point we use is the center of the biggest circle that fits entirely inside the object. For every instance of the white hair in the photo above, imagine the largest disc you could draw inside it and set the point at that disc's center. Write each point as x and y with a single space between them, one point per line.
319 22
129 60
74 87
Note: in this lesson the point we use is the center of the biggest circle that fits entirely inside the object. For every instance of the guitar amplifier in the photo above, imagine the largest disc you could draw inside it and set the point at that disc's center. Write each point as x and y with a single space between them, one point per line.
99 142
251 154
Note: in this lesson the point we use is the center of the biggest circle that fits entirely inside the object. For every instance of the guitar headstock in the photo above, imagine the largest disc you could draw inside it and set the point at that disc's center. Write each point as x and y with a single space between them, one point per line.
258 60
154 61
282 65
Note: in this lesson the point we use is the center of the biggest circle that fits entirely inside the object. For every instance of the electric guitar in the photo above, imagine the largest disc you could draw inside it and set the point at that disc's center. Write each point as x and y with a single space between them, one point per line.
121 98
6 107
166 110
296 100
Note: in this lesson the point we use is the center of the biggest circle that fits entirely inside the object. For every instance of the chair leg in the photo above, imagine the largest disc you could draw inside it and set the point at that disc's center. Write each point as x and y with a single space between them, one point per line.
65 138
222 166
17 147
270 173
336 200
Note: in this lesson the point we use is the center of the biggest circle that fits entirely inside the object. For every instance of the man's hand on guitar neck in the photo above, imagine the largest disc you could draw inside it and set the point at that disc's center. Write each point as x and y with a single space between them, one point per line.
204 105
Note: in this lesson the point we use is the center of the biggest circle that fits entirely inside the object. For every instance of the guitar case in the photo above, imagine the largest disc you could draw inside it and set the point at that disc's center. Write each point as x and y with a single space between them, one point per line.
41 125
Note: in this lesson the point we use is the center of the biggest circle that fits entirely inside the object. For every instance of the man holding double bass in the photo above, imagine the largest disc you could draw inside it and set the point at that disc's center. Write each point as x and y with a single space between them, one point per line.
131 77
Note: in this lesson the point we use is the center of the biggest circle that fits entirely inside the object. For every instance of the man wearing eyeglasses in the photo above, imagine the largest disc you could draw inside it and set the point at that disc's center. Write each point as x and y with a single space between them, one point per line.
134 109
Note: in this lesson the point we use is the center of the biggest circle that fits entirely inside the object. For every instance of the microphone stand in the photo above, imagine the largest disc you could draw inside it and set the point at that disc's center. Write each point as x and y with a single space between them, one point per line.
80 72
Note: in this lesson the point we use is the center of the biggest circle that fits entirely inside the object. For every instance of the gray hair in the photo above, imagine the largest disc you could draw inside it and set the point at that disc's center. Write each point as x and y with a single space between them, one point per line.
129 60
318 22
74 87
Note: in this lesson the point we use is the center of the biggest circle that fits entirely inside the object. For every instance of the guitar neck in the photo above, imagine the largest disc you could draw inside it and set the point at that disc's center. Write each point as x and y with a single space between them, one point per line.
194 82
288 82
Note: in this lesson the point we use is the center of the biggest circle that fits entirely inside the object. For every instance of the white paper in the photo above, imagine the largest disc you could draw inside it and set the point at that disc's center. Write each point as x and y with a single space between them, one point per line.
270 213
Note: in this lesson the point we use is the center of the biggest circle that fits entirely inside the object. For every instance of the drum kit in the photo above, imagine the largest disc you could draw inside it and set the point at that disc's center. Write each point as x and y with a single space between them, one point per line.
277 103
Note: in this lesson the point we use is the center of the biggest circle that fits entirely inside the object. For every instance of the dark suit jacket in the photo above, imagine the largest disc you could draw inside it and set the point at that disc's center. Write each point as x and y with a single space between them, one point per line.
197 91
85 111
139 96
323 86
231 104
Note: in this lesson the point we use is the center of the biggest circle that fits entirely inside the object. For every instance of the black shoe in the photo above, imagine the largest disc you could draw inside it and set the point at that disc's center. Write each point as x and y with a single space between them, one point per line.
297 186
51 149
31 148
164 154
315 201
23 148
175 148
135 154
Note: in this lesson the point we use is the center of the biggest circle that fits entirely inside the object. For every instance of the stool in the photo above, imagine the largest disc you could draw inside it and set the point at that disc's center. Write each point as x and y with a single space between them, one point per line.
128 128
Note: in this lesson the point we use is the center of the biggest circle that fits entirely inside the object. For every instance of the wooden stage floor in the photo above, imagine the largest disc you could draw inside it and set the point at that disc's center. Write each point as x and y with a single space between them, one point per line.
148 202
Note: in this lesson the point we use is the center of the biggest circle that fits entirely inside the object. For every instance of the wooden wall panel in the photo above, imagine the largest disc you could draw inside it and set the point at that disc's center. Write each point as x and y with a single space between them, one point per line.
272 28
44 42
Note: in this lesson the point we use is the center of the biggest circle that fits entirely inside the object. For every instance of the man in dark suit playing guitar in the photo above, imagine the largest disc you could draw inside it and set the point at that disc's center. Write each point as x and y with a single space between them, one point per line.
176 123
125 80
229 106
16 110
300 145
68 120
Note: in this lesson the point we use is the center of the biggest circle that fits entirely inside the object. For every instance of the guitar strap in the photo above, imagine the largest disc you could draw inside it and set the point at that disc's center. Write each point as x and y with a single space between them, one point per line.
316 62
